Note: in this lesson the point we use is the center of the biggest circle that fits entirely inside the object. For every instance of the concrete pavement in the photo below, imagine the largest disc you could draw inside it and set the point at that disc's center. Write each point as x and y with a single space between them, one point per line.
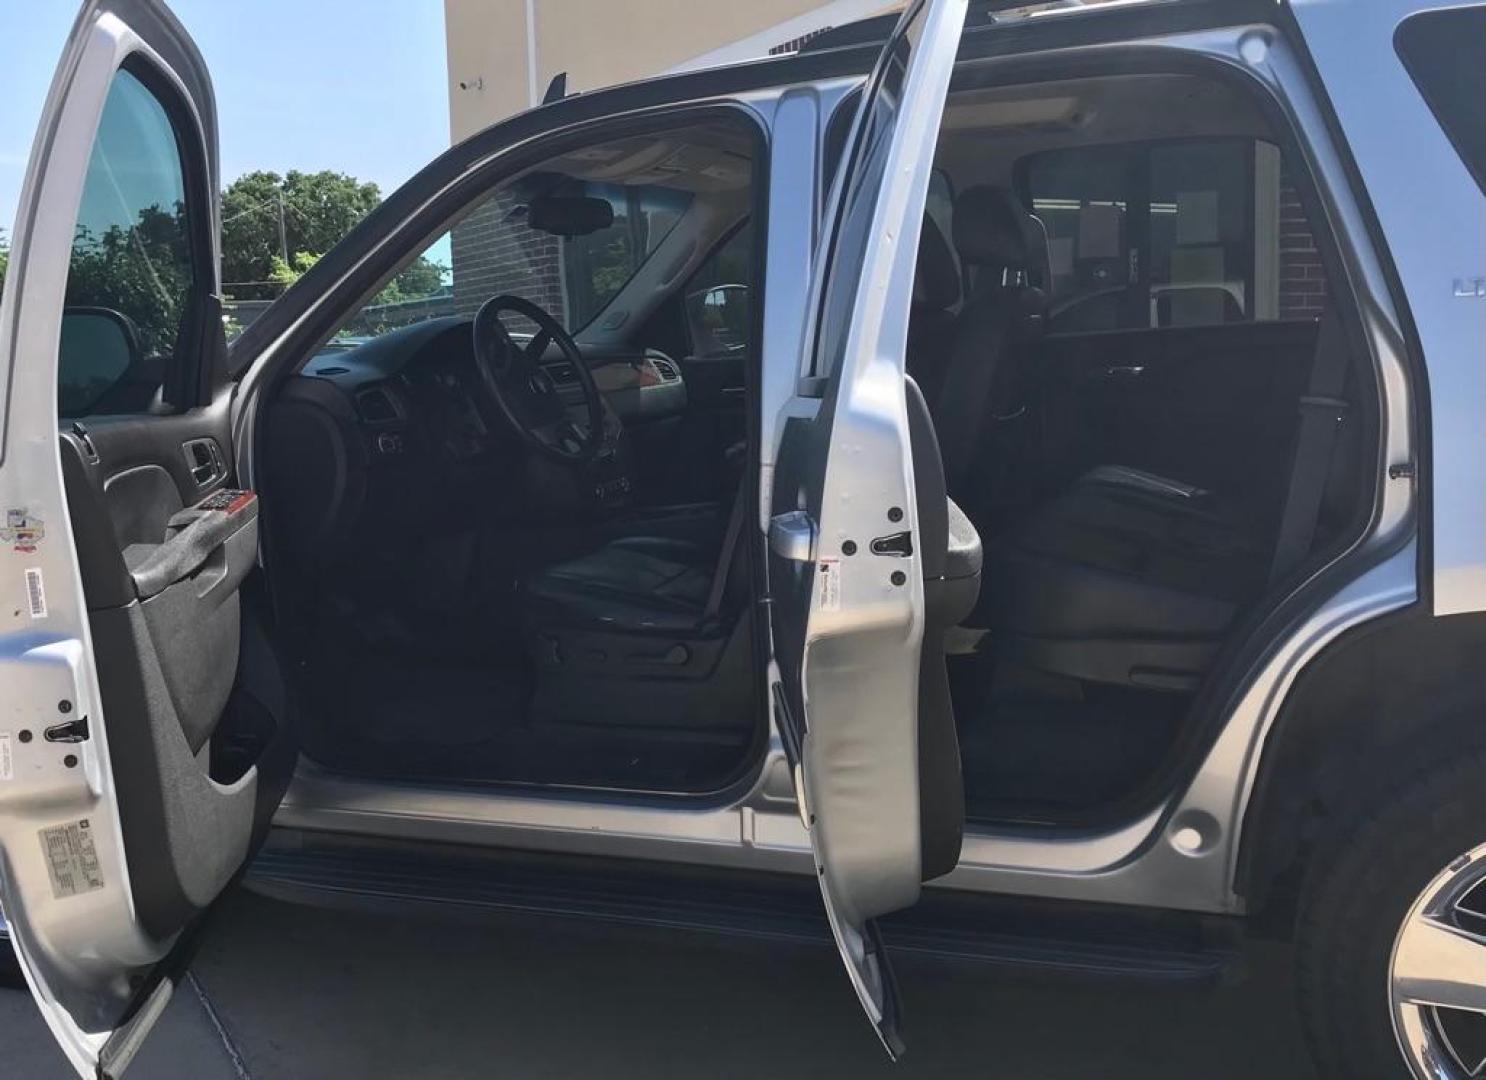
304 993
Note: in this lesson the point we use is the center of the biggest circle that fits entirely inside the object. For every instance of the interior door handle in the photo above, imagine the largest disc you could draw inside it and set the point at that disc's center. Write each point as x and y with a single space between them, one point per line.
792 536
1122 371
204 459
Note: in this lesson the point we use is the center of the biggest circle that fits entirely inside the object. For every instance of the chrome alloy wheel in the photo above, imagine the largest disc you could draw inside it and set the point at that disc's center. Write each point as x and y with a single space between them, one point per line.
1437 974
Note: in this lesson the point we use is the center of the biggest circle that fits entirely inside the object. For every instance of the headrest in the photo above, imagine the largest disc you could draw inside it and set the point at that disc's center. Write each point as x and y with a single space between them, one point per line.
936 279
992 228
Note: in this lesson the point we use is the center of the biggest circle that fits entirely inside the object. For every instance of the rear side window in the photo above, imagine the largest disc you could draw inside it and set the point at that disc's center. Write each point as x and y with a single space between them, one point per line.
1445 54
130 272
1185 233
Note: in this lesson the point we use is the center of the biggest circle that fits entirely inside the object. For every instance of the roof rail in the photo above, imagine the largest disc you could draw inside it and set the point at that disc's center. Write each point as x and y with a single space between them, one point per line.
877 28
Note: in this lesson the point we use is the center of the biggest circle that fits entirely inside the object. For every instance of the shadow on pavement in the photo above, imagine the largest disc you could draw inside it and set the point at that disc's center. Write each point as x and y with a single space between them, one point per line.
307 993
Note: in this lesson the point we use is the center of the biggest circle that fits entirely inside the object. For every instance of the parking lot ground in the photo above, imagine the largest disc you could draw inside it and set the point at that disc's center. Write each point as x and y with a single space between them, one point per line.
307 993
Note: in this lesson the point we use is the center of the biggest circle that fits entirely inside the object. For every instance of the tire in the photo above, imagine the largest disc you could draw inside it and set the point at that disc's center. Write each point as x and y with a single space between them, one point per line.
1358 891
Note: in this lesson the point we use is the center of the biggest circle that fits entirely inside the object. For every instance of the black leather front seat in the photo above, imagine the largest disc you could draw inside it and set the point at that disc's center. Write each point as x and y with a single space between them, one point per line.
646 631
932 317
635 583
983 391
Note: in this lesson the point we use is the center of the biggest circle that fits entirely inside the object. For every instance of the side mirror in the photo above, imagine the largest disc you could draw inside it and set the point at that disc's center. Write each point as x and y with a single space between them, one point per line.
98 350
569 215
718 318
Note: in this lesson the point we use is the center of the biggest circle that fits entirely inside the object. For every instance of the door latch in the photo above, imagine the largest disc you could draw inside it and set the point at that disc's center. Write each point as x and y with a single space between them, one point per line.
70 731
899 545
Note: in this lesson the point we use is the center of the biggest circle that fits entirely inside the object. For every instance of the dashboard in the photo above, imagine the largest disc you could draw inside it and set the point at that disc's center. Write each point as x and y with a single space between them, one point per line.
374 433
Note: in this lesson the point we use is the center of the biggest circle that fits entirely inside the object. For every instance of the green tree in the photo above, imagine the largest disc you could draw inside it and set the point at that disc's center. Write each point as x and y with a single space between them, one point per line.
285 274
4 259
142 271
421 277
316 211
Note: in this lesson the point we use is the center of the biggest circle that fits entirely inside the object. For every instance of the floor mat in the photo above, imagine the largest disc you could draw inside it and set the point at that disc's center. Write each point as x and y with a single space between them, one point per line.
437 706
383 716
1054 751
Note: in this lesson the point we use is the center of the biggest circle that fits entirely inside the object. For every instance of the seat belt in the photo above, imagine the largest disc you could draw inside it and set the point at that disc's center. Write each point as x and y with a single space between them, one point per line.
729 545
1322 412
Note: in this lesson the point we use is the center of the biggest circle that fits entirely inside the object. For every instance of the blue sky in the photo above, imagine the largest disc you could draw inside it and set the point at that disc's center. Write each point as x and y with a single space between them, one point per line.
352 85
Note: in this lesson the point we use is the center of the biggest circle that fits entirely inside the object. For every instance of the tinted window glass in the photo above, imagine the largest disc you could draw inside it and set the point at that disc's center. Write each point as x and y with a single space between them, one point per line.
1190 233
719 300
939 204
864 181
1201 242
1082 198
130 257
496 251
597 265
1445 53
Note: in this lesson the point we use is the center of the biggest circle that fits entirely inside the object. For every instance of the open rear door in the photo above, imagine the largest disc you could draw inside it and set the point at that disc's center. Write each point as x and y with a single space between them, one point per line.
125 807
846 537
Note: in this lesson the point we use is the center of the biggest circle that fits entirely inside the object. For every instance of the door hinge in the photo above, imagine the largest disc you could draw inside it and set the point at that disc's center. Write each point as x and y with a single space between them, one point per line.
1403 470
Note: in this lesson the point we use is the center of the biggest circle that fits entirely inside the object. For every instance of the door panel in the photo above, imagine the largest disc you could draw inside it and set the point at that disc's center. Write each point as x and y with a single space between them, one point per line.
127 799
846 573
1212 406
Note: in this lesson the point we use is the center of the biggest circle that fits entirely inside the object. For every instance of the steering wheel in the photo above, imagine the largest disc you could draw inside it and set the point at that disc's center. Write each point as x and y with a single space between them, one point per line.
524 393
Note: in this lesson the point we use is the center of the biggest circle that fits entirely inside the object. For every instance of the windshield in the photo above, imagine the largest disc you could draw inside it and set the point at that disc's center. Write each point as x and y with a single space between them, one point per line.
509 245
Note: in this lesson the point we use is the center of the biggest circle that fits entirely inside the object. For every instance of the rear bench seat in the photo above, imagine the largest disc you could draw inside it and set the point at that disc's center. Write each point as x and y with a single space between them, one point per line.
1135 579
1127 577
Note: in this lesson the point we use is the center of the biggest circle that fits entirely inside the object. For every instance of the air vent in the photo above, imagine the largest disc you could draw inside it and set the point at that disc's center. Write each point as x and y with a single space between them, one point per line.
377 406
562 374
667 370
332 370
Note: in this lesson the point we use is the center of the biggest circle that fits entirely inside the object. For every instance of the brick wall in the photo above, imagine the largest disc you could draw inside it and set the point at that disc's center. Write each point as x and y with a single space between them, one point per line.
1302 277
493 256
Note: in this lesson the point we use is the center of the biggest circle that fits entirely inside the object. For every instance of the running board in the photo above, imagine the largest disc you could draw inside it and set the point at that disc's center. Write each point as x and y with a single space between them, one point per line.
1048 936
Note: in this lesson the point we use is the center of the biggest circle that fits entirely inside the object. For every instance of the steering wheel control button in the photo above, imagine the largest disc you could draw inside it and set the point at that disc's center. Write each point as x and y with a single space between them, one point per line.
390 443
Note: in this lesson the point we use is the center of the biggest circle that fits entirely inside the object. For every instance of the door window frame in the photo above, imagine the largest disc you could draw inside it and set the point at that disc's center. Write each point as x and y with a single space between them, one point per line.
190 375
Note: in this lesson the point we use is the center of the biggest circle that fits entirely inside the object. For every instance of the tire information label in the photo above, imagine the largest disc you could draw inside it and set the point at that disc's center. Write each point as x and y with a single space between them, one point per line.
71 859
7 762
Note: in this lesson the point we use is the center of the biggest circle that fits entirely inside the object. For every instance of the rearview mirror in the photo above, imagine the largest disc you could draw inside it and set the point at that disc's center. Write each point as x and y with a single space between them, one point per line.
569 215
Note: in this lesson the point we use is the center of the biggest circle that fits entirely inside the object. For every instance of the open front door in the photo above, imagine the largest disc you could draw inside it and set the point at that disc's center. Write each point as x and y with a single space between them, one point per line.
135 772
849 536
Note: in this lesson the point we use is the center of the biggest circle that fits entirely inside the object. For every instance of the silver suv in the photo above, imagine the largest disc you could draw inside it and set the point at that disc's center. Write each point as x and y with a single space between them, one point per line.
1027 450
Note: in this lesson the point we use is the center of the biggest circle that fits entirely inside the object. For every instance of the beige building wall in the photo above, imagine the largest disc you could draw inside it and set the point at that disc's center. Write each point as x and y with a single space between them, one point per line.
503 53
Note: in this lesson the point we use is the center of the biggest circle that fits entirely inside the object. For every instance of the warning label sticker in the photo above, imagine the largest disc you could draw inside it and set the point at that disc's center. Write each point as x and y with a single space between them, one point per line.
828 574
71 859
7 763
23 530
